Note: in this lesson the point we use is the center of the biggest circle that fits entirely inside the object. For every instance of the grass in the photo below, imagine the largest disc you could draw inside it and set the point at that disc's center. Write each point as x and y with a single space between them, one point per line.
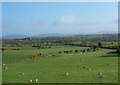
1 75
52 69
109 43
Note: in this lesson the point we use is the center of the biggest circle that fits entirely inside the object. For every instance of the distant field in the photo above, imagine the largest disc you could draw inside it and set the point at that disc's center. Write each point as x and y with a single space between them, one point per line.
12 56
94 36
110 43
52 69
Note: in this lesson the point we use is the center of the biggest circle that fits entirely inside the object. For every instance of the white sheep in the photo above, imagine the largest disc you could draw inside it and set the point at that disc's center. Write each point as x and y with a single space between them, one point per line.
88 69
36 80
100 74
22 73
5 68
31 81
66 74
3 64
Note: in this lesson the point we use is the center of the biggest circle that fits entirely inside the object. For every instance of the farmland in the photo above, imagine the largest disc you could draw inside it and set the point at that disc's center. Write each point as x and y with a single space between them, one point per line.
60 60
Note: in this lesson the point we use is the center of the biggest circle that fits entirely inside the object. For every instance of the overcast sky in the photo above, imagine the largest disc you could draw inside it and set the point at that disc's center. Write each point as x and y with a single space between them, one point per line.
27 18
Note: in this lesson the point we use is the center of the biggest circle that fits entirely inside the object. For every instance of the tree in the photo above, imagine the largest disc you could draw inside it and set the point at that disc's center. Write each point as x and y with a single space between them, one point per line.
59 52
118 49
111 43
99 44
94 47
76 51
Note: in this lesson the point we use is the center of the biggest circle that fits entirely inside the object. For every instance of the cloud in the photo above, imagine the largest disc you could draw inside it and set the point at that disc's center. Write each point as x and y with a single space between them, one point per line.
66 19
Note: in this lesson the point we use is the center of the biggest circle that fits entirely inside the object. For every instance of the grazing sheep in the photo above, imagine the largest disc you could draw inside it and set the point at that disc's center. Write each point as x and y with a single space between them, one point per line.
22 73
88 69
36 80
66 74
3 64
99 73
31 81
5 68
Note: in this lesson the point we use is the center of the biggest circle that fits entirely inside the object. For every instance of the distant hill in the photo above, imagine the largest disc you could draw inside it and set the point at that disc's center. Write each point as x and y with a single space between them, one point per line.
17 36
41 35
54 35
107 32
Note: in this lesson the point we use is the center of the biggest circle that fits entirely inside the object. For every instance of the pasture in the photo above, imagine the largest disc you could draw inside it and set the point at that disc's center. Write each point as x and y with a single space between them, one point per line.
100 66
59 42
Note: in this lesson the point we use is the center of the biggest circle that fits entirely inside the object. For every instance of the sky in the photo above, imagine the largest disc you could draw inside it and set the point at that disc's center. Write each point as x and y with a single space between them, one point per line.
34 18
0 20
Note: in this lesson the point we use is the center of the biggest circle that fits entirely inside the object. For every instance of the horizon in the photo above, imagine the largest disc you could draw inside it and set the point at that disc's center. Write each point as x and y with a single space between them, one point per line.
53 35
32 19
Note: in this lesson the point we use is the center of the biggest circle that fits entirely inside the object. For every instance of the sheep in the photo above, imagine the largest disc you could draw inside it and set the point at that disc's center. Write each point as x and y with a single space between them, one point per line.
3 64
5 68
22 73
31 81
88 69
66 74
99 73
36 80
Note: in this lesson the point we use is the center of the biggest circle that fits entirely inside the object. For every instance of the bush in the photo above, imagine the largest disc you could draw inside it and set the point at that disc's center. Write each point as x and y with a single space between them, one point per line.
76 51
99 44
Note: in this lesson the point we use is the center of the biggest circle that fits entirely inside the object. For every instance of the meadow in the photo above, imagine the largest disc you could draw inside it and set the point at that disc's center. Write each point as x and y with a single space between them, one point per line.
53 69
59 64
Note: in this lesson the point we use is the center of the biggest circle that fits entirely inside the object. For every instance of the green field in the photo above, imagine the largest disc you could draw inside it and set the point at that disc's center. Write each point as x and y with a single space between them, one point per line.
1 75
52 69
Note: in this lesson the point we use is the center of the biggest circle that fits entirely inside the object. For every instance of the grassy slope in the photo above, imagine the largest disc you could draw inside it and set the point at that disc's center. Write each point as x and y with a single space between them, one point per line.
51 69
12 56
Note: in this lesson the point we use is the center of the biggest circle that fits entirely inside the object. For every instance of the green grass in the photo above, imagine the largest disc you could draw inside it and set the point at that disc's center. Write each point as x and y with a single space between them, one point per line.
1 67
109 43
12 56
94 36
52 69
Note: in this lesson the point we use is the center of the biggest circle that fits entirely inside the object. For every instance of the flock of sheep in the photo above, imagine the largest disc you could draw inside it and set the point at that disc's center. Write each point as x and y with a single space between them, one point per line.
4 66
36 80
66 74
